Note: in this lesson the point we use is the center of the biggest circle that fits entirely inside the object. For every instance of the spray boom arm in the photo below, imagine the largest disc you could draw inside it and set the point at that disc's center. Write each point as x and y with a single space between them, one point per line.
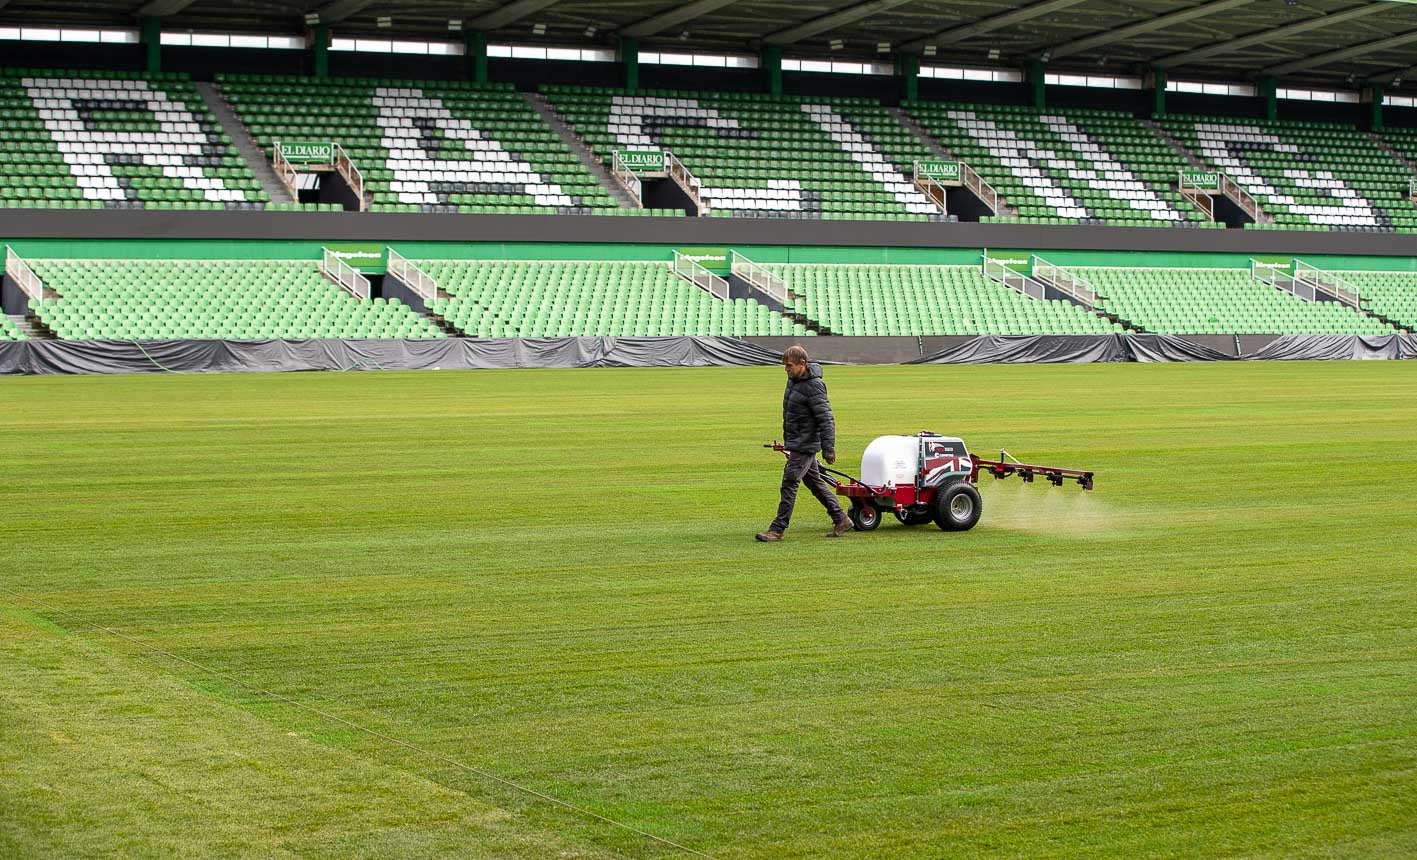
1002 468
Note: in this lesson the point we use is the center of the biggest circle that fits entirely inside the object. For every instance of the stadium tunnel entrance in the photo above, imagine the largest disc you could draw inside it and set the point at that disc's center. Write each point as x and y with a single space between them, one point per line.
390 287
964 205
328 187
665 193
1230 213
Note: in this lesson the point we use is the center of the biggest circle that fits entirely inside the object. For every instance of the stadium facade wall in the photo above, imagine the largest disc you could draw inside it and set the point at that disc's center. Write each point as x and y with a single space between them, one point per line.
204 63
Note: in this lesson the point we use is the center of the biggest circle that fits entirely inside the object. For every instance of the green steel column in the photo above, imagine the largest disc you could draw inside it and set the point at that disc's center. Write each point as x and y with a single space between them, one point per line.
771 61
1269 89
1375 108
1033 73
1158 92
630 60
477 56
152 42
907 67
322 50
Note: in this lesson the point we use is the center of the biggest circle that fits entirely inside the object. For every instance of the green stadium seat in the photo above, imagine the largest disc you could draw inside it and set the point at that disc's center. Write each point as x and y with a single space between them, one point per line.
256 299
75 140
490 149
1306 175
1218 301
762 156
1066 166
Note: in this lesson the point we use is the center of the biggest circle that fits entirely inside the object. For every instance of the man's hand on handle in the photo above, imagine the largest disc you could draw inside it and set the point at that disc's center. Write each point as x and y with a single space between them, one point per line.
830 457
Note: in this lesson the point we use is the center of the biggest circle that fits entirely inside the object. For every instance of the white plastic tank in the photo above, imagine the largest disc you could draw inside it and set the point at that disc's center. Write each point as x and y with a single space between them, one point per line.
891 460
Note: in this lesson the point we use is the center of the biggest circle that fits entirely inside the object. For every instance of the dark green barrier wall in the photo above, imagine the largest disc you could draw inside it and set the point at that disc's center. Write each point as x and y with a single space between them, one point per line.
179 249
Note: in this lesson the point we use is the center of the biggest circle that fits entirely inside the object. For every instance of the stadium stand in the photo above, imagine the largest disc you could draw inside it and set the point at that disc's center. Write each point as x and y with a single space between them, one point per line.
1305 175
1389 294
8 329
927 300
757 155
116 140
232 299
1065 167
427 146
1218 301
562 299
1403 144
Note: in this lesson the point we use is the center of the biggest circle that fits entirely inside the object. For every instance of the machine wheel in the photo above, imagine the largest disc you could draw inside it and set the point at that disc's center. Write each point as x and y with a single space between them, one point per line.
957 507
913 518
864 517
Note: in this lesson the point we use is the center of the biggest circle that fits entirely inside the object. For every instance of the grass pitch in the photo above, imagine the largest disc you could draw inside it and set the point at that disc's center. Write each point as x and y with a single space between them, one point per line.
314 615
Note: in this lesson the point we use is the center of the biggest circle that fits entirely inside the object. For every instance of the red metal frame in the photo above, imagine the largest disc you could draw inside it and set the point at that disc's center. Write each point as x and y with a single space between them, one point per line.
909 495
1027 471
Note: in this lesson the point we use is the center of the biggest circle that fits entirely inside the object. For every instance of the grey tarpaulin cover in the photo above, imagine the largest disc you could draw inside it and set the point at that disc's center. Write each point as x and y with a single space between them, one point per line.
1330 347
226 356
1039 349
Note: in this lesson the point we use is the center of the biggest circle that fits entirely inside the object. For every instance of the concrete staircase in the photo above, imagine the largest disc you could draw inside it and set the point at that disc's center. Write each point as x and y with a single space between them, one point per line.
915 128
1176 146
31 327
245 144
1391 150
573 142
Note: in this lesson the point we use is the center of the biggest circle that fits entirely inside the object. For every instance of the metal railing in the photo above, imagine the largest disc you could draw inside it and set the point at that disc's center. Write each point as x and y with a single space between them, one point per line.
28 282
345 275
1000 273
413 277
933 191
285 171
344 165
1272 275
1196 194
774 286
1228 187
686 180
1328 283
1065 282
1242 198
981 189
700 277
627 179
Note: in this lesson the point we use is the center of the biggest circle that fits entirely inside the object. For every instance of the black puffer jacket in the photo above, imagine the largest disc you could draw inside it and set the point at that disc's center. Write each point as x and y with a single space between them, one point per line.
807 423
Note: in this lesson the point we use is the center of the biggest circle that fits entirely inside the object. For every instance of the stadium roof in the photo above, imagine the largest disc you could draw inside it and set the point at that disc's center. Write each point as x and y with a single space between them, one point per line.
1333 42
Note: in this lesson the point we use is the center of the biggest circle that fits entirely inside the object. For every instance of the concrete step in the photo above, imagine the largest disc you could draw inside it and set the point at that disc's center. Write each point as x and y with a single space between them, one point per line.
1176 146
1390 150
31 327
245 144
573 141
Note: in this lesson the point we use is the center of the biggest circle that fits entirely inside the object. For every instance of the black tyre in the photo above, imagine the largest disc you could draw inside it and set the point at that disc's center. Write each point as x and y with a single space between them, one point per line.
864 517
957 507
913 518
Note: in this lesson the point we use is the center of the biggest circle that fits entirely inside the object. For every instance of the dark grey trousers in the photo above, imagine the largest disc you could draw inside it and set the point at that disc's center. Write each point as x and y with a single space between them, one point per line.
803 468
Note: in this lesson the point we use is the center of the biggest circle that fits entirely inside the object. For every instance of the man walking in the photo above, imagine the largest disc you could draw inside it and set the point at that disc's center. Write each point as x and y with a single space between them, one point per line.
807 427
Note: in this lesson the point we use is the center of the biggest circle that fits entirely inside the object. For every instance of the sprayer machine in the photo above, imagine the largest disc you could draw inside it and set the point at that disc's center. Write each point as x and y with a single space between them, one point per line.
928 477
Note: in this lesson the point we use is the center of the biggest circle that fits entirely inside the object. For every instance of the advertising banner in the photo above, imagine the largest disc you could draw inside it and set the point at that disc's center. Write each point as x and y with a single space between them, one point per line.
714 259
643 160
1205 180
370 259
307 151
940 171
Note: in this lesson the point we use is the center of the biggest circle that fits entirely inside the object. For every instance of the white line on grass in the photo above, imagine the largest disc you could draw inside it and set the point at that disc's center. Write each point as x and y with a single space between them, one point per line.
356 726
